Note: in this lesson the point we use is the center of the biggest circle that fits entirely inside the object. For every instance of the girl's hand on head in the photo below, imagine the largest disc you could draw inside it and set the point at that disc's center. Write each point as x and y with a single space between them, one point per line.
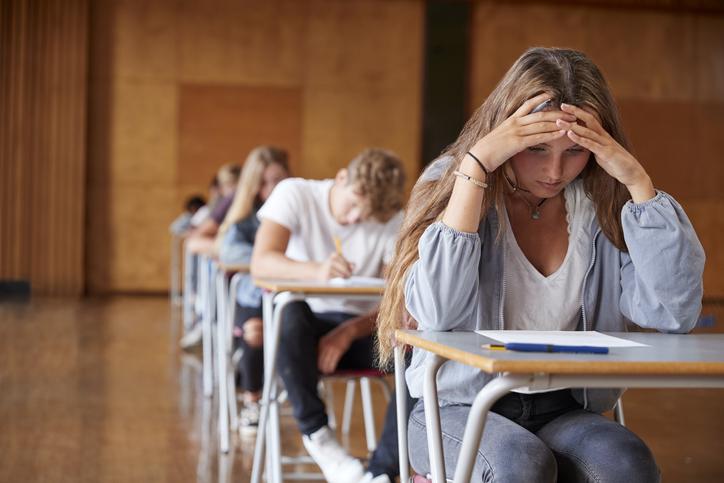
609 154
520 131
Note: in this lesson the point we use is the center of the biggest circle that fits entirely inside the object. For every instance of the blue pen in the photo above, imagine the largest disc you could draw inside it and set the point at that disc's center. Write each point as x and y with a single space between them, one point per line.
585 349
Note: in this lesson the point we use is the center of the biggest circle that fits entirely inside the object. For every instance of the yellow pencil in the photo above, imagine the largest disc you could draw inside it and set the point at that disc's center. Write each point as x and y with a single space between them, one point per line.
494 347
338 244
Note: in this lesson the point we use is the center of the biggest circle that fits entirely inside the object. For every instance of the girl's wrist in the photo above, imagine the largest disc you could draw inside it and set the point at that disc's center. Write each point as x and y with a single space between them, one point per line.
642 189
479 159
471 168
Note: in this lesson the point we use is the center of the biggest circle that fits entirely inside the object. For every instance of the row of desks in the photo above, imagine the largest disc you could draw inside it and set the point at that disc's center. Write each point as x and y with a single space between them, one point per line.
668 361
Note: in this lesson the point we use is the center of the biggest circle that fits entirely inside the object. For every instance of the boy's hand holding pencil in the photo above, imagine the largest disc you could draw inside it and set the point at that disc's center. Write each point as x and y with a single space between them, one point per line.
336 265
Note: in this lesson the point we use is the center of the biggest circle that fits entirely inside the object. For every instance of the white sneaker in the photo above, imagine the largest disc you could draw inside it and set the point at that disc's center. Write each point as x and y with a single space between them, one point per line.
336 464
249 418
368 478
192 337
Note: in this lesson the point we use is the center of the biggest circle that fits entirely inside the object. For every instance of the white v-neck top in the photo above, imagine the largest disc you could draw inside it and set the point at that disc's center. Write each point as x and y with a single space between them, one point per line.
535 302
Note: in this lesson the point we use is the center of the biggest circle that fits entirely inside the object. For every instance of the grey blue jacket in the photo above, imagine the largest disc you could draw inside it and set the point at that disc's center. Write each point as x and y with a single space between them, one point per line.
458 284
236 247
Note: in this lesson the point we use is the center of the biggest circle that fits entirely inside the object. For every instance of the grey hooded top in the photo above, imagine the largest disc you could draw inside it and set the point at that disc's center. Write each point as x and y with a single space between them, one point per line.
457 284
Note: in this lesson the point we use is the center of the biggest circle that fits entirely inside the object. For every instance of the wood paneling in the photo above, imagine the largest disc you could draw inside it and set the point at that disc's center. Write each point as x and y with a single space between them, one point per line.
665 66
355 65
221 124
43 69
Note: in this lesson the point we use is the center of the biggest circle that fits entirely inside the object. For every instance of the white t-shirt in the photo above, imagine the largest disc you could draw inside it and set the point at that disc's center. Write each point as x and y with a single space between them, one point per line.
302 206
536 302
200 215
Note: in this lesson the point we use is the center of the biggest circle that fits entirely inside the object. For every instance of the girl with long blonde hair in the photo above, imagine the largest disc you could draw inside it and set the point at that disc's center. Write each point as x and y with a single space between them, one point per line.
538 217
264 168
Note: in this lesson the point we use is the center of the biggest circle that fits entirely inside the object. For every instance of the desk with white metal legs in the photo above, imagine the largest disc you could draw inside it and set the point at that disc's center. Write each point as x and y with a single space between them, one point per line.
668 361
206 294
175 290
189 265
277 295
401 403
226 302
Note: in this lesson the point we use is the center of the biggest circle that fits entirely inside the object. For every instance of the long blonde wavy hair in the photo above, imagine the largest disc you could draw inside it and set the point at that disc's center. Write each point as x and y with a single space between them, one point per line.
250 181
570 77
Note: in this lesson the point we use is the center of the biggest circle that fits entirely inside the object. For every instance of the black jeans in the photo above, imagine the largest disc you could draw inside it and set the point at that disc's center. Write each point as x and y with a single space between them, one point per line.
297 360
251 364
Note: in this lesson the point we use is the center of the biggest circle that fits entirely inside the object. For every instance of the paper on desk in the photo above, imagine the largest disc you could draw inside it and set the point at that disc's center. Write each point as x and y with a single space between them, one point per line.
558 337
357 282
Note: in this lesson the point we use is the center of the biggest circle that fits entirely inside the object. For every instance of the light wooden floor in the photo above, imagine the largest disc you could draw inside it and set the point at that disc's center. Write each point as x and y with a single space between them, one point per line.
95 391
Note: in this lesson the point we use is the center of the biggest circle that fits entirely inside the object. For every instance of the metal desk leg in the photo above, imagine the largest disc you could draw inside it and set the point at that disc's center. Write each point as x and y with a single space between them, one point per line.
231 384
189 289
260 444
222 360
175 263
432 419
401 401
485 399
618 412
206 342
274 453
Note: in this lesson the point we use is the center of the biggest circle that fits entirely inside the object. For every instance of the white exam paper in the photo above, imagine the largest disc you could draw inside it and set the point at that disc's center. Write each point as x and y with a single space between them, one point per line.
357 282
559 337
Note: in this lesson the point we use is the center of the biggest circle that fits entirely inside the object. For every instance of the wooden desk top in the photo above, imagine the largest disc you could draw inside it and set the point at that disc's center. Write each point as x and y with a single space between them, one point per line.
700 354
316 288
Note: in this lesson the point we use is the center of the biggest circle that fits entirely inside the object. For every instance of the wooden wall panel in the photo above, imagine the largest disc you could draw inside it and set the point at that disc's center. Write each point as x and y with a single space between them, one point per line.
666 69
43 68
221 124
355 64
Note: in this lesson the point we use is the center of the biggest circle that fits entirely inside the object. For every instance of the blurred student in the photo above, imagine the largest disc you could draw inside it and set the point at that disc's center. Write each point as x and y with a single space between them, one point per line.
318 230
184 222
201 241
264 168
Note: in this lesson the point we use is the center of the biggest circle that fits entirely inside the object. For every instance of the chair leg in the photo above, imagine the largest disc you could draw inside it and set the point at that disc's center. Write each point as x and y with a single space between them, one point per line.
385 386
329 400
369 416
348 405
233 408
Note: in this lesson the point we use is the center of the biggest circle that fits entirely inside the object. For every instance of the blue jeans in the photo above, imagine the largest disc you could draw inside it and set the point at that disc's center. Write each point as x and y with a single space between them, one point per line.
544 437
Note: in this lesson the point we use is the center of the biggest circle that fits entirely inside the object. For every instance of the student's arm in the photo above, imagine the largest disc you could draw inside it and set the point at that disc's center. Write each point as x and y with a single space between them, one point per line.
207 228
662 273
201 245
269 260
336 342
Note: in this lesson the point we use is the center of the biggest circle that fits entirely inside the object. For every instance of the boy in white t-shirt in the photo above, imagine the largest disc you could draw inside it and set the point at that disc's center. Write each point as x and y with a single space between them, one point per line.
300 223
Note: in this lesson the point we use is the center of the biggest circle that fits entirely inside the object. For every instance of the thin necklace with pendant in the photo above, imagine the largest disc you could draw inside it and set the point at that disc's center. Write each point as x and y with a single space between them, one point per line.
534 209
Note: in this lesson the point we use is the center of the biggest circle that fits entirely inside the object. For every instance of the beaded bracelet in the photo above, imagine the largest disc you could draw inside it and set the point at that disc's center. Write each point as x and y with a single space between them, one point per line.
476 182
